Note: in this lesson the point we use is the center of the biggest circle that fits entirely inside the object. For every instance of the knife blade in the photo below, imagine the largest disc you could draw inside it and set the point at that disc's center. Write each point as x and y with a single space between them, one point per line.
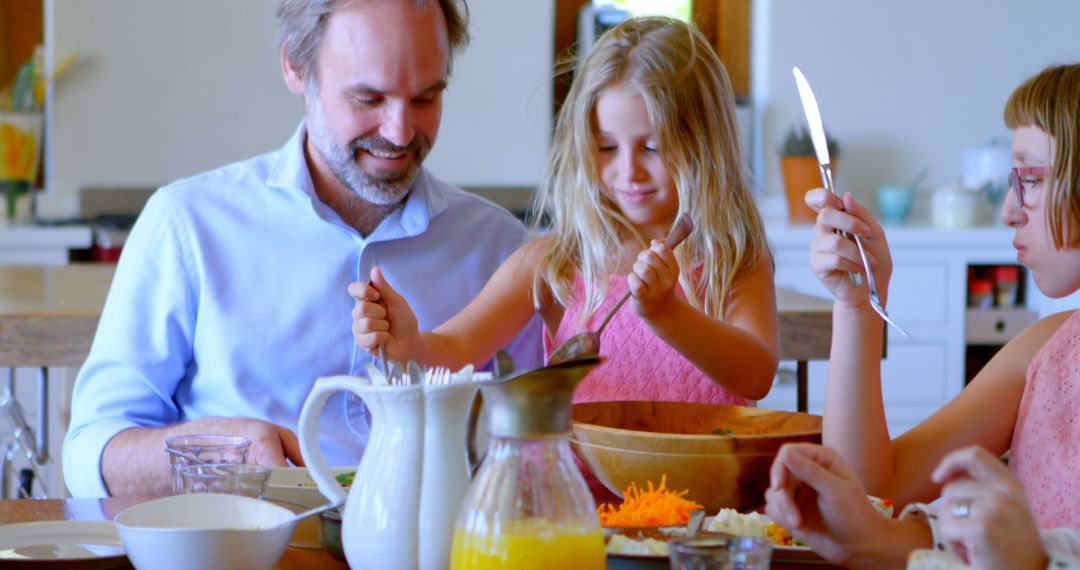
821 145
813 116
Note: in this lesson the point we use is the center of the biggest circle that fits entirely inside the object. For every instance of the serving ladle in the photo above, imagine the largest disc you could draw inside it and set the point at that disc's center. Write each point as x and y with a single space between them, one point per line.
588 342
309 513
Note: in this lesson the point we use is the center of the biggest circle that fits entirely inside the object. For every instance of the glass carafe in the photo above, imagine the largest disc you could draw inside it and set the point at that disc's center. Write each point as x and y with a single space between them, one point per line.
528 506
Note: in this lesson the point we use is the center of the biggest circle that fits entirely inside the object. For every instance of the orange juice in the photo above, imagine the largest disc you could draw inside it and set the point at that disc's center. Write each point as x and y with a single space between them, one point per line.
527 545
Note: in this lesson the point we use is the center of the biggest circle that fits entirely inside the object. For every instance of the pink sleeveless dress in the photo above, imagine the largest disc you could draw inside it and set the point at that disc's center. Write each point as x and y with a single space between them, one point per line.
1046 440
639 365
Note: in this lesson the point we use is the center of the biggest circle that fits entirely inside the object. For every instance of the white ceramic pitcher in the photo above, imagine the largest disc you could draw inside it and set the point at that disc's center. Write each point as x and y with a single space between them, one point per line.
412 478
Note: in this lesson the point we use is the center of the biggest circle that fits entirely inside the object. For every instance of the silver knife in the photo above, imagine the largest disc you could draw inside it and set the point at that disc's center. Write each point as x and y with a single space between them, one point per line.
821 147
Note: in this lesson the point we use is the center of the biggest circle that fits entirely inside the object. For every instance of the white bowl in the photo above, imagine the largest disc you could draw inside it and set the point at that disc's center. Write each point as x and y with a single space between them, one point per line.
204 530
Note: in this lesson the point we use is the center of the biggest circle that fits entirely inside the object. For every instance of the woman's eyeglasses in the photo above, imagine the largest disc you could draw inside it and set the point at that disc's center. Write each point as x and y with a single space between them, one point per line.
1017 175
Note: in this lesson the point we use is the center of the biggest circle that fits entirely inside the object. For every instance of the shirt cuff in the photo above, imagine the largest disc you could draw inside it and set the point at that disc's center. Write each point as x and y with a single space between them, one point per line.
82 457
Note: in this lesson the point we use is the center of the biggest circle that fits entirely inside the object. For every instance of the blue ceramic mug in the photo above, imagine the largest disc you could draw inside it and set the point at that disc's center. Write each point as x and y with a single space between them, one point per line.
894 202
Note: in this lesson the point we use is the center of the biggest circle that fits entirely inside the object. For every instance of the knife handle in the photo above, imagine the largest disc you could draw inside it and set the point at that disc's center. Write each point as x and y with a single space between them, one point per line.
827 179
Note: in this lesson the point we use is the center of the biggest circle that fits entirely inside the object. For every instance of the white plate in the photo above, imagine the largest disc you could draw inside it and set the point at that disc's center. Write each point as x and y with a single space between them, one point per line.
296 485
61 544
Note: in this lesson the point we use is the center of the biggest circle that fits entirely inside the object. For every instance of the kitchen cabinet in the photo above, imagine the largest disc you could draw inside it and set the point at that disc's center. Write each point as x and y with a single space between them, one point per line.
928 297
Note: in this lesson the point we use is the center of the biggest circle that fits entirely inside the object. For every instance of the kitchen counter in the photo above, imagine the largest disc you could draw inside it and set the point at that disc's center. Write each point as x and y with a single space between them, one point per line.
23 243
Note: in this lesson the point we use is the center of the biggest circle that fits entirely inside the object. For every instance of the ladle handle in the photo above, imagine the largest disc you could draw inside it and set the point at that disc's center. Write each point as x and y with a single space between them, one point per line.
679 232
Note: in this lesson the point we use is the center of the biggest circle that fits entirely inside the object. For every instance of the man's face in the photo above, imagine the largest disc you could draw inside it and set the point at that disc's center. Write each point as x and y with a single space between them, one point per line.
375 112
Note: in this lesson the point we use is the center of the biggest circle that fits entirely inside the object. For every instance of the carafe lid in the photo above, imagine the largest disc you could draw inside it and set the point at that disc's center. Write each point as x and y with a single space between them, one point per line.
535 403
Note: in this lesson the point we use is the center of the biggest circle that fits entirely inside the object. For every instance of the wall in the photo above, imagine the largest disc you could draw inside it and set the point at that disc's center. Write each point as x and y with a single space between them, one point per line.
167 89
902 85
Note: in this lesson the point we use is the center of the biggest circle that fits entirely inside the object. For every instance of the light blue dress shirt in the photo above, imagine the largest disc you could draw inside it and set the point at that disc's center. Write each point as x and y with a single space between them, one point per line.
230 300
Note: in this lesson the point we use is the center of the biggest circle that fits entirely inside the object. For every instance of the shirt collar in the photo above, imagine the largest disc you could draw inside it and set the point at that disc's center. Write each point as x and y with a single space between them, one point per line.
425 201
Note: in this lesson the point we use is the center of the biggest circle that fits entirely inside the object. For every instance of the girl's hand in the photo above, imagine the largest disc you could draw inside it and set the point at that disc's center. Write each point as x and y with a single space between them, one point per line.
815 496
382 317
985 518
833 256
652 282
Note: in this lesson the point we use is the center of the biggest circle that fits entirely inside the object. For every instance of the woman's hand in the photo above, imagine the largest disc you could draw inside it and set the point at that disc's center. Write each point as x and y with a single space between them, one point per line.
816 497
985 518
382 317
833 256
652 282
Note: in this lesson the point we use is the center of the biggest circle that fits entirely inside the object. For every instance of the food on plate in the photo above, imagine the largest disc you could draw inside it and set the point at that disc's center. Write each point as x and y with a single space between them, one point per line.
723 431
657 506
622 544
883 506
346 479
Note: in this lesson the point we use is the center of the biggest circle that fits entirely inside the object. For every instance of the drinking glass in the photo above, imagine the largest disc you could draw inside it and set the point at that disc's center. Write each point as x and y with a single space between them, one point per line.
227 478
720 553
186 450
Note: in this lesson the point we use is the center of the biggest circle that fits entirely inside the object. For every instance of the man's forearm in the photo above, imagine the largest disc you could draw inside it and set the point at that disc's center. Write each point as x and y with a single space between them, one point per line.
135 463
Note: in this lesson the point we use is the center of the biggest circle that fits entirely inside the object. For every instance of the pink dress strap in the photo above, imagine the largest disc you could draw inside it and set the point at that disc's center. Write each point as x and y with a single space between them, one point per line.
639 366
1046 439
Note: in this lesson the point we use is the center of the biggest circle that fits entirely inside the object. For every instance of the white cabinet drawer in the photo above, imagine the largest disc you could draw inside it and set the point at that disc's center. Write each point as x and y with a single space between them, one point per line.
914 373
918 295
996 326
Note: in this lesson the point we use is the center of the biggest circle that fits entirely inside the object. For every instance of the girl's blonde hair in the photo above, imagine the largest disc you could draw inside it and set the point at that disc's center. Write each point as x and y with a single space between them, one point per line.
1050 101
691 109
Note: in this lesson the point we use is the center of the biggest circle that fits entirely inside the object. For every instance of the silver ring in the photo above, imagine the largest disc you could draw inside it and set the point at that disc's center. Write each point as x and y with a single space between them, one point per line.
962 509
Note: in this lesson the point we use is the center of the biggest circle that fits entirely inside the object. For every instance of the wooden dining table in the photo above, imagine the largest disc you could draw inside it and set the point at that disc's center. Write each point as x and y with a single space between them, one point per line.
28 510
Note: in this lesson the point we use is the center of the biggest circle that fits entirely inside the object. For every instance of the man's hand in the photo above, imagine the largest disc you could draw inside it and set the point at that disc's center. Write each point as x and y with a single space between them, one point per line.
271 445
135 463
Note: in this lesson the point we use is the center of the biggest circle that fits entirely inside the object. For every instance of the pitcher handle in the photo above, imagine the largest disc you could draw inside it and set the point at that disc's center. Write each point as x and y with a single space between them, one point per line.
309 432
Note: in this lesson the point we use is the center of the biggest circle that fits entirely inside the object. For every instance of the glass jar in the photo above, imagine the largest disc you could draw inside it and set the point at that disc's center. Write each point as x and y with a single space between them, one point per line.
528 506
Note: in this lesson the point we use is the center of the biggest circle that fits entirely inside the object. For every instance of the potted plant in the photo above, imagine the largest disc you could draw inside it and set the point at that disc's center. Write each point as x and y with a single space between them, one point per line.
799 166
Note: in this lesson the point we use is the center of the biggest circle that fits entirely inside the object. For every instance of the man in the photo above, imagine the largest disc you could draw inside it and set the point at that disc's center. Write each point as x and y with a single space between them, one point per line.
230 296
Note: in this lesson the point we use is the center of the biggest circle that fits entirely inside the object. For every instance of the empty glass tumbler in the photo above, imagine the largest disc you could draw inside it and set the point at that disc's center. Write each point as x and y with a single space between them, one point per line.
720 553
227 478
187 450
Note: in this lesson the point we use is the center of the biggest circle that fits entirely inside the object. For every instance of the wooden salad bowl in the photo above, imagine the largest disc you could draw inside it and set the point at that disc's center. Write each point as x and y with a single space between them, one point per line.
719 454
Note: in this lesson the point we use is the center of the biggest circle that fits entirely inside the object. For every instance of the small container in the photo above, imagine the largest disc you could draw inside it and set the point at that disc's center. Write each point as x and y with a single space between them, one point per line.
1006 280
206 449
980 294
226 478
720 553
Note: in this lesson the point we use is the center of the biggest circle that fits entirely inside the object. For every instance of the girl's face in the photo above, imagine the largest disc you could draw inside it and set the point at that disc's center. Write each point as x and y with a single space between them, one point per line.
632 170
1056 271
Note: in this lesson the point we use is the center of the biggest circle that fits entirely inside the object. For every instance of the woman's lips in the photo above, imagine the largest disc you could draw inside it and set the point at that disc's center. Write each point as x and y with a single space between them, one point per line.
1020 250
636 196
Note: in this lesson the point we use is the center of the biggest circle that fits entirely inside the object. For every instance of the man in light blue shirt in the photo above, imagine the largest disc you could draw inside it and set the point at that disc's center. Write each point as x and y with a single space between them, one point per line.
230 296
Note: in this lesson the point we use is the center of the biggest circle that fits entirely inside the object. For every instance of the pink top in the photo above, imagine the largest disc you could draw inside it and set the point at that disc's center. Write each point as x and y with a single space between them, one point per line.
639 366
1046 440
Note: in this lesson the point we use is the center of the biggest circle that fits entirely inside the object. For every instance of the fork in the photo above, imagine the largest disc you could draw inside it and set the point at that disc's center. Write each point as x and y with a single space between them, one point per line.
856 280
875 301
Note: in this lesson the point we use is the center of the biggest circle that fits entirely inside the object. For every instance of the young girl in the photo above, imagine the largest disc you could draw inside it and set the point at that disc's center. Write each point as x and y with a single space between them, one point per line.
1024 400
647 132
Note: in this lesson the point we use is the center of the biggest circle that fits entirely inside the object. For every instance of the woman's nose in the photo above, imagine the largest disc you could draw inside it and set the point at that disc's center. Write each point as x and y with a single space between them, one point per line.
1012 212
630 166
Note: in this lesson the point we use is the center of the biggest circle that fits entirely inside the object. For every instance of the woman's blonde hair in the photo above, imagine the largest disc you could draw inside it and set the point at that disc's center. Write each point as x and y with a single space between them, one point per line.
691 109
1050 101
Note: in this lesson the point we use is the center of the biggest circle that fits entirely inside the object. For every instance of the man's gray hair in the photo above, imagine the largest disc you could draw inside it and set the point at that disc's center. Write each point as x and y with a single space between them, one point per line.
302 24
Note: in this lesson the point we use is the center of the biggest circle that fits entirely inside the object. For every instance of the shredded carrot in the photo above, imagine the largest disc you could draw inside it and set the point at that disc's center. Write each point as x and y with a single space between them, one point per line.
654 507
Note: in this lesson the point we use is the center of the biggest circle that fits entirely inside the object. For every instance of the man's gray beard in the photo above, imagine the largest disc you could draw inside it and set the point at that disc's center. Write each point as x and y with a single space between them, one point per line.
387 191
